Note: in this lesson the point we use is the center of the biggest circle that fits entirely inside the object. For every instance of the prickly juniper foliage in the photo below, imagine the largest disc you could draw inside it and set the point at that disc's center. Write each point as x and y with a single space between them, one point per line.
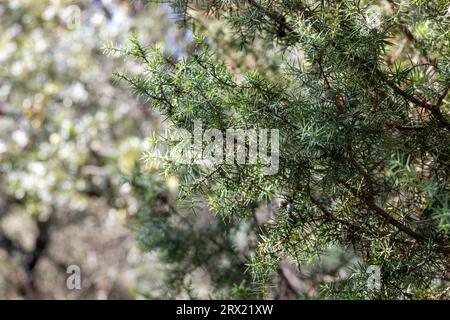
363 120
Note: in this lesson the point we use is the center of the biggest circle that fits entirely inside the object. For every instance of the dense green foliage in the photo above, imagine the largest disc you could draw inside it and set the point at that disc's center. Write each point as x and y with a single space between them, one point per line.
364 130
189 243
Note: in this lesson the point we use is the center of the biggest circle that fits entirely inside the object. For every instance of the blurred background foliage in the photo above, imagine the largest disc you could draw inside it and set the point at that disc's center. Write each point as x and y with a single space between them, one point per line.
67 136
